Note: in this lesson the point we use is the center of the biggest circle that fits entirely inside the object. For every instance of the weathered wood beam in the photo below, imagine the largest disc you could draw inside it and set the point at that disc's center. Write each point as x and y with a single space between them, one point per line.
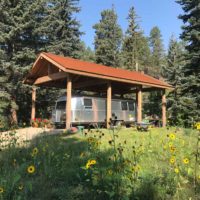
88 83
33 103
68 102
164 118
139 105
50 77
151 89
50 70
109 105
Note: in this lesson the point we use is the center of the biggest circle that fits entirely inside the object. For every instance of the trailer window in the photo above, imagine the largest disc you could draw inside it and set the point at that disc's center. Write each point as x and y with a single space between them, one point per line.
61 105
88 103
124 105
131 106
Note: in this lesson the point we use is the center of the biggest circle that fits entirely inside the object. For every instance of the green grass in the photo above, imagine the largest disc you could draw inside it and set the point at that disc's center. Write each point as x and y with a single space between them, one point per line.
129 165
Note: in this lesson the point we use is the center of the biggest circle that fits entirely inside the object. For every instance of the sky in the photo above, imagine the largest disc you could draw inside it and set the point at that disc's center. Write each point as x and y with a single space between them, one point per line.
161 13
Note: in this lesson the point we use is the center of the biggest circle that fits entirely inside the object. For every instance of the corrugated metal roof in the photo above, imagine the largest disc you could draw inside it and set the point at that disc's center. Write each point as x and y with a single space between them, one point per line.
97 69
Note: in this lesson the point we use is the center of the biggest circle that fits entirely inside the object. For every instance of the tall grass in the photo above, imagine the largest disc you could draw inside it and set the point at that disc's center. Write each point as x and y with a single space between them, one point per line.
102 164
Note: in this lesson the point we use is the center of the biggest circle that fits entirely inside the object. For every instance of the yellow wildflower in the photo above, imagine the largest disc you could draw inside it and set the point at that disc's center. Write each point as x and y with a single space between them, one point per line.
176 170
186 161
90 163
172 160
170 144
136 168
87 165
81 155
34 152
110 172
172 149
197 125
20 187
93 162
31 169
1 190
172 136
90 139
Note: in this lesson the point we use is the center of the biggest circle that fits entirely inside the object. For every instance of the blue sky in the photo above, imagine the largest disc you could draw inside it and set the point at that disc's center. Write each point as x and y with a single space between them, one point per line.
161 13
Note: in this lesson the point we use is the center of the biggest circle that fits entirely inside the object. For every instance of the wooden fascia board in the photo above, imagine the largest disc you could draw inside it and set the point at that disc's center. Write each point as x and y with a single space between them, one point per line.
50 77
102 76
53 62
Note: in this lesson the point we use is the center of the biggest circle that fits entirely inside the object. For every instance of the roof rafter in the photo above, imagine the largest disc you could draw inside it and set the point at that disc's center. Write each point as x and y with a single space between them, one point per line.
50 77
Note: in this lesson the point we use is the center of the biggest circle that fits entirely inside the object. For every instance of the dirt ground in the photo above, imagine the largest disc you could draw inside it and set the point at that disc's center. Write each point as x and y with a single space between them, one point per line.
24 134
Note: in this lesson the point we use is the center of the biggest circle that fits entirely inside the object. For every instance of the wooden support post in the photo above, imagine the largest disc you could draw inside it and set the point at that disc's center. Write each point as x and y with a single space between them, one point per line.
109 104
139 104
164 118
68 101
33 103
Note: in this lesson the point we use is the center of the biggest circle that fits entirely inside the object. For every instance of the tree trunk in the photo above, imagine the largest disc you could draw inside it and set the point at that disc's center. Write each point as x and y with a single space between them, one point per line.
13 117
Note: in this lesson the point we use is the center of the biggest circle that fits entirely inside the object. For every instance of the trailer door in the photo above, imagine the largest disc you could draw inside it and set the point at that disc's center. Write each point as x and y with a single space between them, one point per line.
88 114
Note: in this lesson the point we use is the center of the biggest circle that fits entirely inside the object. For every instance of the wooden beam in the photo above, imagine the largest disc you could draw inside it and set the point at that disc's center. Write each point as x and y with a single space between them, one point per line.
50 77
149 89
33 103
49 69
68 102
109 105
139 104
164 118
76 78
88 83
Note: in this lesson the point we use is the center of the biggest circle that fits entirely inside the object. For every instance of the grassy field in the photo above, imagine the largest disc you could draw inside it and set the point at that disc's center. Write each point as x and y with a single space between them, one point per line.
103 164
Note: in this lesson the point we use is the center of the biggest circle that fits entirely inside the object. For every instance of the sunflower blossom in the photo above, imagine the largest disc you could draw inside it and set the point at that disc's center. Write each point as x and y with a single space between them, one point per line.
1 190
172 136
176 170
186 161
31 169
90 163
34 152
172 160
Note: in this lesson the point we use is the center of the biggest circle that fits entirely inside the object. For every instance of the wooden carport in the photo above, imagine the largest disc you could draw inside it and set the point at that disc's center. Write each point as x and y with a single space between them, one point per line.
63 72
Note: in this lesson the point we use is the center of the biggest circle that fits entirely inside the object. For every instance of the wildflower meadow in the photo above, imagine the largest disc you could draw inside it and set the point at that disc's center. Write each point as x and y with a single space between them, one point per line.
118 163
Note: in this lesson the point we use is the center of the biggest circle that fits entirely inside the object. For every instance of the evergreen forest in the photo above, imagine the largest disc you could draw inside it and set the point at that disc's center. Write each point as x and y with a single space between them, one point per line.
30 27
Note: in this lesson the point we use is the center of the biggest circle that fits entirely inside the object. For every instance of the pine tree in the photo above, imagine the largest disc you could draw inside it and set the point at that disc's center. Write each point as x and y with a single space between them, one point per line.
108 39
12 38
191 70
86 53
157 50
157 59
27 28
135 50
5 98
62 28
172 72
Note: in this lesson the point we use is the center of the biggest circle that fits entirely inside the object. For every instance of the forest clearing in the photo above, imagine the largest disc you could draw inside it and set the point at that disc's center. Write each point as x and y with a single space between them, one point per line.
125 90
103 164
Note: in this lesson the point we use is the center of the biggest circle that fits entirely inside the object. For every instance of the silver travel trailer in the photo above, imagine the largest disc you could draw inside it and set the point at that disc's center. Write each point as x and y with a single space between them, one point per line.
92 110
